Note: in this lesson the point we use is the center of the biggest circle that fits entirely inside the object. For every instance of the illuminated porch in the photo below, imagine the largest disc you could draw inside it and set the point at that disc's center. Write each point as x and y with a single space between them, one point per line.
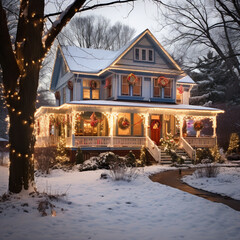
108 126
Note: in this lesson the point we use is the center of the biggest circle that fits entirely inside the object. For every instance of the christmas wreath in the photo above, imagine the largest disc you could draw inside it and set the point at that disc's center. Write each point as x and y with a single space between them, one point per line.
163 81
93 84
123 123
180 89
198 125
70 85
132 79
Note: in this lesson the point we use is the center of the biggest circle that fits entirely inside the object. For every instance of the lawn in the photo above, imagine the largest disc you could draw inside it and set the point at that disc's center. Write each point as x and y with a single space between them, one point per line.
103 209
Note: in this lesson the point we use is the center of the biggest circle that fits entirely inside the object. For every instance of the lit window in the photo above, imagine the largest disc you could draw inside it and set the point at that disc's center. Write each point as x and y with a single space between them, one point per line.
90 92
131 90
137 125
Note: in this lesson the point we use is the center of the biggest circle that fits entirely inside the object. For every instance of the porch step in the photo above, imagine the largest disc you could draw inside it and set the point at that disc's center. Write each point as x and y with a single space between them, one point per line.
166 159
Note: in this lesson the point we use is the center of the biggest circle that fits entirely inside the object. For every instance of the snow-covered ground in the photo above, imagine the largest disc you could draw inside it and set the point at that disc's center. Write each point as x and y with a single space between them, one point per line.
102 209
226 183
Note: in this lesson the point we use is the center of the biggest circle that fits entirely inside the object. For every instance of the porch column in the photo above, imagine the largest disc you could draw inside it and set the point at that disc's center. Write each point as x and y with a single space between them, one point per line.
65 125
214 125
146 123
111 121
180 118
73 129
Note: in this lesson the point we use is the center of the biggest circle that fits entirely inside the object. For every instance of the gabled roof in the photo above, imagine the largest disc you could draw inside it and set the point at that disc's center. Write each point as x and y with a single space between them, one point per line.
96 61
186 80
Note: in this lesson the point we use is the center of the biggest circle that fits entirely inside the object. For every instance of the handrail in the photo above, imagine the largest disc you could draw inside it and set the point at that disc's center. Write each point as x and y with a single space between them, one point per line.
188 148
153 149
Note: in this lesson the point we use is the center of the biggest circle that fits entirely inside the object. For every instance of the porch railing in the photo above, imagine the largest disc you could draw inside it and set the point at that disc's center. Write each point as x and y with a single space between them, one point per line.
201 141
153 149
47 141
188 148
128 141
92 141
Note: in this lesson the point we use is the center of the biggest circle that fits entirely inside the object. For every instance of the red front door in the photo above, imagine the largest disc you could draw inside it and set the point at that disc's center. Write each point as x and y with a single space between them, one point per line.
155 131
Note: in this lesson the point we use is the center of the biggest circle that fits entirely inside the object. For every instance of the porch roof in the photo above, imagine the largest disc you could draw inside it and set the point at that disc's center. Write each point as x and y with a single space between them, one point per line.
146 107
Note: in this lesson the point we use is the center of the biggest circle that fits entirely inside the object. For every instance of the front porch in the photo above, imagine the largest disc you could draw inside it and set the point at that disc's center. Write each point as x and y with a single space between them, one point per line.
109 127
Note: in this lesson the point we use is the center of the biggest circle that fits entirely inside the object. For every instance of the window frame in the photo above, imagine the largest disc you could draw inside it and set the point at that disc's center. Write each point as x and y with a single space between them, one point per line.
146 51
90 90
131 87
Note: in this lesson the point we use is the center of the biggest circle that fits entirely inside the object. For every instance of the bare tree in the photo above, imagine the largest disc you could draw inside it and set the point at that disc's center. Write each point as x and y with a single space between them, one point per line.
21 64
96 32
199 26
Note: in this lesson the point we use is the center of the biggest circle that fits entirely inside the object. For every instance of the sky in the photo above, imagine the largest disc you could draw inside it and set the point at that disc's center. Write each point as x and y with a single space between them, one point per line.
141 15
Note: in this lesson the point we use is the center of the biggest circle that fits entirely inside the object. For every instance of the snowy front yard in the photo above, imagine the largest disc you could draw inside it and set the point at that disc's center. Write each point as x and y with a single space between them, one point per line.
226 183
102 209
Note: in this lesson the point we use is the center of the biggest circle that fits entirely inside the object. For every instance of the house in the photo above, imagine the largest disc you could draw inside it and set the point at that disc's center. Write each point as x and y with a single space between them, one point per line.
121 100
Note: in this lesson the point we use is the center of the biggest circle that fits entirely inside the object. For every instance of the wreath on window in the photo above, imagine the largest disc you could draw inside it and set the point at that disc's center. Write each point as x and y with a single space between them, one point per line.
132 79
163 81
198 125
93 84
123 123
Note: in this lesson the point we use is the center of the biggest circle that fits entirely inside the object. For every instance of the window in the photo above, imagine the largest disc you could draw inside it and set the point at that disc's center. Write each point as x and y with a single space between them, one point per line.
108 87
150 55
168 90
137 87
137 125
144 54
91 93
125 86
131 90
157 89
137 53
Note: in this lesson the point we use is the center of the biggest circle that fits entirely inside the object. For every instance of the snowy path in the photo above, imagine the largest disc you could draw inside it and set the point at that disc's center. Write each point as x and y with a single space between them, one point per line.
174 179
107 210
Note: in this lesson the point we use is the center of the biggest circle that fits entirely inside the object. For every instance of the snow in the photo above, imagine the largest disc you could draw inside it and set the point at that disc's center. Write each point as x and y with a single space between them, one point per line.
227 183
186 80
144 105
105 210
87 59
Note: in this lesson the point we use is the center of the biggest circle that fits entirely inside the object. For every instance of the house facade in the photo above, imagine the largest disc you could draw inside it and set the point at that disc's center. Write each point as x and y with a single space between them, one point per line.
113 100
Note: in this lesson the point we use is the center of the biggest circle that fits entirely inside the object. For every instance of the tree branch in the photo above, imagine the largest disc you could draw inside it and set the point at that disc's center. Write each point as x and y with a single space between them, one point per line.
91 7
7 57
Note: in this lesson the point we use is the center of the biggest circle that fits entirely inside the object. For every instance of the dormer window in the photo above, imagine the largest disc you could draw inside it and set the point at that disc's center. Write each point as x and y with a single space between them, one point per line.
144 54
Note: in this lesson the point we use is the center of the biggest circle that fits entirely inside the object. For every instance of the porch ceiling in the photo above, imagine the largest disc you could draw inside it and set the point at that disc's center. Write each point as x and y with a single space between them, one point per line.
121 106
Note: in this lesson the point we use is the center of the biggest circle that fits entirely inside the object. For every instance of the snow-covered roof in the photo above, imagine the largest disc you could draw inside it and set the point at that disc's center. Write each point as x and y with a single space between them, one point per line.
142 105
3 140
186 80
92 60
87 59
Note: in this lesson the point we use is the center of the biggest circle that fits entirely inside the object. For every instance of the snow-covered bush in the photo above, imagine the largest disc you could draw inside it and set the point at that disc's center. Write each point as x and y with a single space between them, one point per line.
120 171
202 154
209 170
102 161
45 159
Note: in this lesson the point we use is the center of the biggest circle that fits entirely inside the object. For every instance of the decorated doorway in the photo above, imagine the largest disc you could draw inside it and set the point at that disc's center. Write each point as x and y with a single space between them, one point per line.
155 128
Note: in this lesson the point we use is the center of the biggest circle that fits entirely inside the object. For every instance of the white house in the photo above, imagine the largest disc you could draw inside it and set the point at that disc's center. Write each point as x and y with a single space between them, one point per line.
115 100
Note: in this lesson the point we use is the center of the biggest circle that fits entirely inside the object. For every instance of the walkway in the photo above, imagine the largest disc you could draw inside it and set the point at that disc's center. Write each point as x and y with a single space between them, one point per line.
172 178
